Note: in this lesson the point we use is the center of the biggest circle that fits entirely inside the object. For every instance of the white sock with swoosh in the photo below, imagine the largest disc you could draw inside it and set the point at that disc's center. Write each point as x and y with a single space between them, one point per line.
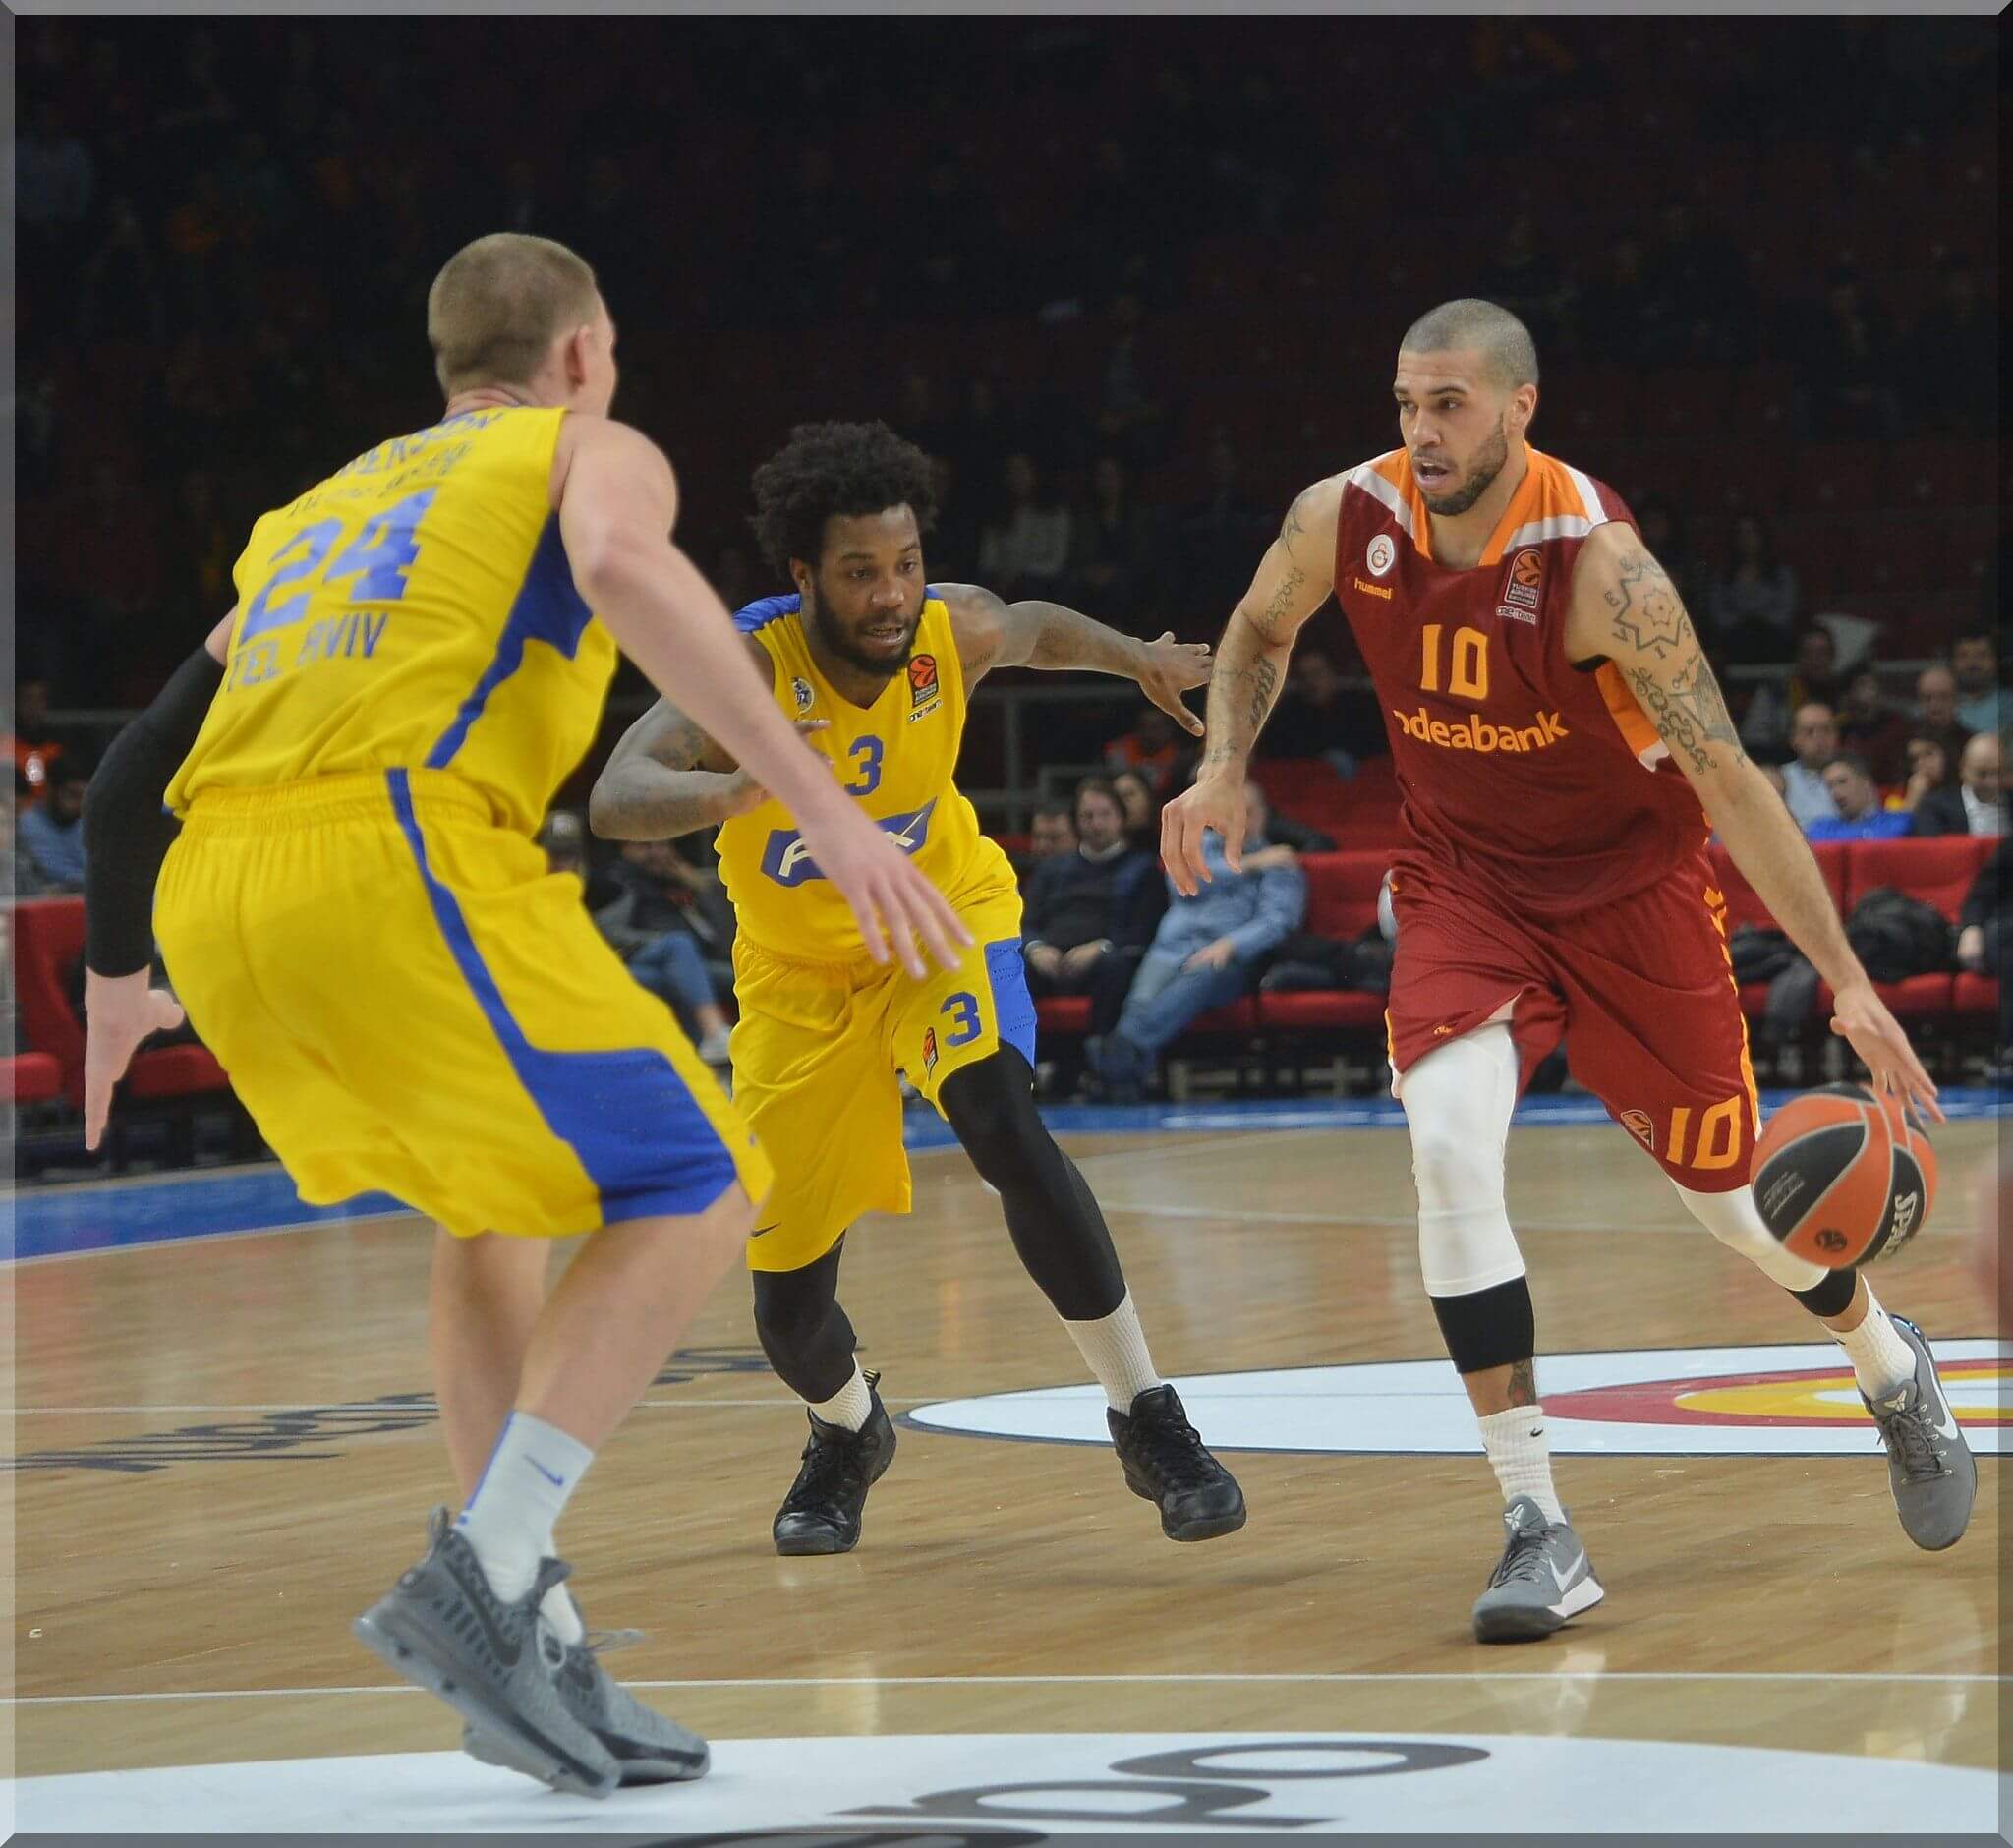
524 1487
1521 1457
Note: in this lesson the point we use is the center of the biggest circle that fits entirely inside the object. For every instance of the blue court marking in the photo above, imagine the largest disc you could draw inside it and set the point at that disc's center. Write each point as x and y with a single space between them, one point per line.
54 1221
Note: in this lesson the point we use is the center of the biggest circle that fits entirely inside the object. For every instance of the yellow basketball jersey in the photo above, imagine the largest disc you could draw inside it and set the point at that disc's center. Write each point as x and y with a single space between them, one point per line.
414 611
896 756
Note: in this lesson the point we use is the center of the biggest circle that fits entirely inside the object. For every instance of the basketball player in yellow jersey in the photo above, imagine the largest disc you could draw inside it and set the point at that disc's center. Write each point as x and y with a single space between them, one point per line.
363 930
877 666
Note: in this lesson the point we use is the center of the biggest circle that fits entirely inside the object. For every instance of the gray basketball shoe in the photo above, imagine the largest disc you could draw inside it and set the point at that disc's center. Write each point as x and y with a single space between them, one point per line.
649 1748
498 1665
1929 1464
1541 1583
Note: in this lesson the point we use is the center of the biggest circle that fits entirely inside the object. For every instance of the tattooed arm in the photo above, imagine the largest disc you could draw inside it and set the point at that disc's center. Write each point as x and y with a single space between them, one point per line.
992 633
1626 609
1293 580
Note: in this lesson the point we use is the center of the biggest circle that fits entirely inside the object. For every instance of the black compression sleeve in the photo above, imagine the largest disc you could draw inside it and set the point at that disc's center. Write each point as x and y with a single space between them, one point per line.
127 832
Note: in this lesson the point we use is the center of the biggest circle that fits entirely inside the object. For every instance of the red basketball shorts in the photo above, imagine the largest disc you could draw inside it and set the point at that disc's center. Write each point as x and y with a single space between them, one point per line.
1641 988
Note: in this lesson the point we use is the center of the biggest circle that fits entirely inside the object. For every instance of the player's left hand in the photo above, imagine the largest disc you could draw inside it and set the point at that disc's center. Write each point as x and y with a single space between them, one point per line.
1213 956
1860 1016
121 1010
1168 669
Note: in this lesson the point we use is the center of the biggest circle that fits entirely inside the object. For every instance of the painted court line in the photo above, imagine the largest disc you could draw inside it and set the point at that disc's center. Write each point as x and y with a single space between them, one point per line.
1056 1681
322 1405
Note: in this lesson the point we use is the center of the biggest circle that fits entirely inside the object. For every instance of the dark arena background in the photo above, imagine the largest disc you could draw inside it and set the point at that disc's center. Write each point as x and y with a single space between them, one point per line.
1132 284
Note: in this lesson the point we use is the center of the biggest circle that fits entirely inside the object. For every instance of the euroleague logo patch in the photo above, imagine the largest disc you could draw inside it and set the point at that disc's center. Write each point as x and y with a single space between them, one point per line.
800 688
1798 1400
923 685
1380 555
1522 581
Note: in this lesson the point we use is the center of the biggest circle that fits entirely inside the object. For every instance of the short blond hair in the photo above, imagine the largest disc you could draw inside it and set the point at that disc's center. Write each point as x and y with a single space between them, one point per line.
497 303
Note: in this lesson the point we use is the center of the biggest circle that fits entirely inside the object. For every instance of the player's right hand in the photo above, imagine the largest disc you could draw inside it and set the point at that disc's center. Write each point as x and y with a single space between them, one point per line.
1860 1016
745 793
121 1010
1212 801
892 900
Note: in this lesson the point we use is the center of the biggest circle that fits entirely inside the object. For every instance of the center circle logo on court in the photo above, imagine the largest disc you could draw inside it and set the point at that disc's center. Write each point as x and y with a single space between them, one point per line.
1798 1401
1381 556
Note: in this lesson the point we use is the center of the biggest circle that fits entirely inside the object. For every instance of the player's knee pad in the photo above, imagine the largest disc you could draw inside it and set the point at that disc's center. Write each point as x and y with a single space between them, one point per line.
1457 1101
1736 1221
990 1106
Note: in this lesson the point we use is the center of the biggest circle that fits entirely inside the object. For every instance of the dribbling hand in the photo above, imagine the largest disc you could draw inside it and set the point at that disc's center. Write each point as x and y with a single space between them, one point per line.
1860 1016
1210 802
121 1011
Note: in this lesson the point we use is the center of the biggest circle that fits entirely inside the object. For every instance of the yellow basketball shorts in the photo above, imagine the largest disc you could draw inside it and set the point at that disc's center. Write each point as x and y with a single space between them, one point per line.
407 1001
816 1056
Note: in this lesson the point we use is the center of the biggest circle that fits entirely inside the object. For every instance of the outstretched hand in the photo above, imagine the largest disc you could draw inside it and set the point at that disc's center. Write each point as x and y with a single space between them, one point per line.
1168 669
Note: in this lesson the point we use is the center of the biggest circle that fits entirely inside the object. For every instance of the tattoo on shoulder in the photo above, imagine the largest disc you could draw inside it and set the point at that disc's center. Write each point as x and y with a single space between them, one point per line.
1295 525
1523 1382
1648 611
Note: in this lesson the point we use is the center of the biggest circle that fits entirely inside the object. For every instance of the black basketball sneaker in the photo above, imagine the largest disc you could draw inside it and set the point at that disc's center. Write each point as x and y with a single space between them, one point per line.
822 1512
1166 1464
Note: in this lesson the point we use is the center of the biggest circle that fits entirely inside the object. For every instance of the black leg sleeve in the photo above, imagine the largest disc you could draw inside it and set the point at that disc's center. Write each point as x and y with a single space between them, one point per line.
1056 1226
804 1332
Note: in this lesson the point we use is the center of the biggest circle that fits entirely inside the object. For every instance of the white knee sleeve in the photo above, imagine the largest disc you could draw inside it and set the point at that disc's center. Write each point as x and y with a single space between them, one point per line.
1736 1221
1458 1100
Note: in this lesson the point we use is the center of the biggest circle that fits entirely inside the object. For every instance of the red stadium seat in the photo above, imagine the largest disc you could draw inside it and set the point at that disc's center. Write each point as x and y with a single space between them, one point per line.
1320 1010
1068 1015
1241 1016
1939 869
1341 892
1743 904
35 1077
1975 994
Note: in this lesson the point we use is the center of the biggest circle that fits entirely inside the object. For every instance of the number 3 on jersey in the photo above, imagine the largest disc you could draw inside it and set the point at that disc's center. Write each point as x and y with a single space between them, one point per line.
1468 673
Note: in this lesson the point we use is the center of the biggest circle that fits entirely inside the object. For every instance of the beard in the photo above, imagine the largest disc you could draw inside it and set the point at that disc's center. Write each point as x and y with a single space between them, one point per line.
1482 474
838 644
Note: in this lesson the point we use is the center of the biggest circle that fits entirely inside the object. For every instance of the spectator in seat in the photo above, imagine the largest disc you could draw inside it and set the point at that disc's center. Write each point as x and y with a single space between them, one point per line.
1859 814
1052 832
1024 550
1935 711
1207 952
1154 747
1110 546
1813 679
1089 914
1849 361
1753 602
50 835
1814 738
1141 803
1926 771
1976 806
664 926
1318 717
1869 728
1982 930
1975 663
35 750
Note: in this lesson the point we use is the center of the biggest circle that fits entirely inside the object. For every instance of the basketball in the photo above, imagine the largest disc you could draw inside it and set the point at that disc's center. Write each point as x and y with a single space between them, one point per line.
1842 1177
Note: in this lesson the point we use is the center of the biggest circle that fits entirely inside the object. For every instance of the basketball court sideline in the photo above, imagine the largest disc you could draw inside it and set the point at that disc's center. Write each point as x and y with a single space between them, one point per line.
225 1444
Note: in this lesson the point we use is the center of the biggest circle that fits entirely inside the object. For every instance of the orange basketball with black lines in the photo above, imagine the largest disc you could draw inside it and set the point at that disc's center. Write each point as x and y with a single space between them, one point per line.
1842 1177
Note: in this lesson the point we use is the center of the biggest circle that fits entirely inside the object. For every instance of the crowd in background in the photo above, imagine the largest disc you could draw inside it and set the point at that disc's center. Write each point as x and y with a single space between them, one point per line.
1130 291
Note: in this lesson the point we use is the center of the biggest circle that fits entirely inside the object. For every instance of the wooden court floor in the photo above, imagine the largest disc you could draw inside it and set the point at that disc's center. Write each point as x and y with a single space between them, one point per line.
251 1454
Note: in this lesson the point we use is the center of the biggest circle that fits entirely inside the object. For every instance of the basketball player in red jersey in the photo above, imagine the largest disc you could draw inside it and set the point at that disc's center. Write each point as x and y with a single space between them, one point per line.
1563 751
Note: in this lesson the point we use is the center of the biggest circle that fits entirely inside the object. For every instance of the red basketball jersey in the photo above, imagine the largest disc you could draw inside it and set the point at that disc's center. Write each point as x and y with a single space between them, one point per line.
1541 783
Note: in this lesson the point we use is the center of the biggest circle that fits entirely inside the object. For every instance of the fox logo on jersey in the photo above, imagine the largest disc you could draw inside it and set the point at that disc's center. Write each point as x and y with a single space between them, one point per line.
789 862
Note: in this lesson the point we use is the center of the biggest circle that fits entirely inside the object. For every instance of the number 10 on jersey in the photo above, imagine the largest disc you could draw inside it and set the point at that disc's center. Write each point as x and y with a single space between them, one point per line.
1464 664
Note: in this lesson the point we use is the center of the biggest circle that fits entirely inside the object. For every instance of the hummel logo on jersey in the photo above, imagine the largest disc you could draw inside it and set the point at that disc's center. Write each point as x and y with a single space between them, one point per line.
789 862
1477 734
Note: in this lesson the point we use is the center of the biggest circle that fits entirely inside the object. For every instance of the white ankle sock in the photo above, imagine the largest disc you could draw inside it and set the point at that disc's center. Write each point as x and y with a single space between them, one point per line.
1115 1348
850 1407
524 1488
1883 1361
1521 1457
